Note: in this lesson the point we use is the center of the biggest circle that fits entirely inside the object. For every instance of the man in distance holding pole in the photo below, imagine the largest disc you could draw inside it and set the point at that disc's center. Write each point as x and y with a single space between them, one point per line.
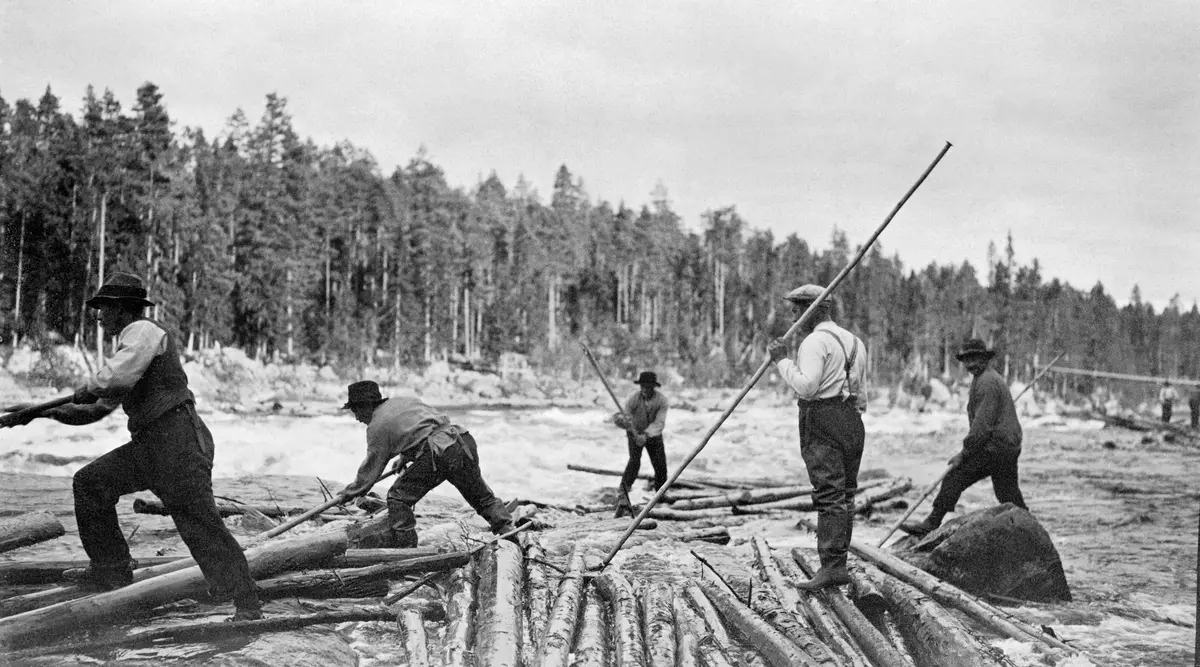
828 376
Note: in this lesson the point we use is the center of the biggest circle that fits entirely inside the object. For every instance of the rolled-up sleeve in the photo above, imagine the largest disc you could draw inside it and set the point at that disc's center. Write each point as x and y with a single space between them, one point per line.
137 346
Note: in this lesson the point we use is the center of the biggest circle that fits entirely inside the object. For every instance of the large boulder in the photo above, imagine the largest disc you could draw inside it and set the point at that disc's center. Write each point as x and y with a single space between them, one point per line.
1001 550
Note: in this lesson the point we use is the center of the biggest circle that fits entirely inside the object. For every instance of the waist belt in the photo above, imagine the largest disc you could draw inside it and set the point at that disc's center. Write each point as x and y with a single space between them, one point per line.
832 400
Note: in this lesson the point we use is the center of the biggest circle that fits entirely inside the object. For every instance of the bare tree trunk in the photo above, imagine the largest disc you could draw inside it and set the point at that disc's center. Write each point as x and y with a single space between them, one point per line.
100 275
20 279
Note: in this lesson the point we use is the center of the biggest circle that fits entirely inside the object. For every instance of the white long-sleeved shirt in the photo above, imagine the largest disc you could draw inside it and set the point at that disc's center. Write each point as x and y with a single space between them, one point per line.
820 371
137 345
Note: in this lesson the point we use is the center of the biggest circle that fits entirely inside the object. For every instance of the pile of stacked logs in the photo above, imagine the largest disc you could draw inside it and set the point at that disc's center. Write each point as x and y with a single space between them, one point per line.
673 596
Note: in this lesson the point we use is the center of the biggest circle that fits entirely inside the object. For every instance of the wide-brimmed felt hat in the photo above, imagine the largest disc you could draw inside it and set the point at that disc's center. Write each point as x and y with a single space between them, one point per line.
974 348
363 393
807 294
648 378
120 287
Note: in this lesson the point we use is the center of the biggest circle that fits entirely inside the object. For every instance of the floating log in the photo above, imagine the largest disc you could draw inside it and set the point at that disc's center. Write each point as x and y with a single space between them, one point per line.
681 483
672 514
623 616
749 497
785 619
776 648
412 623
824 621
936 637
591 642
225 509
799 504
658 624
460 597
209 632
537 600
498 620
865 503
370 581
556 641
874 644
689 625
58 619
951 596
30 528
367 557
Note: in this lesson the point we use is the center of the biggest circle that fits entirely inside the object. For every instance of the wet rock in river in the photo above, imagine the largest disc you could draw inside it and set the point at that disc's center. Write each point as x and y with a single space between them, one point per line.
1001 550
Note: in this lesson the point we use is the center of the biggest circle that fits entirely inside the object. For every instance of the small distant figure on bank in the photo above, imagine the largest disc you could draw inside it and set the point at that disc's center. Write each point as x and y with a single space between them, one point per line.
991 448
828 377
1194 407
1167 397
647 412
434 451
170 453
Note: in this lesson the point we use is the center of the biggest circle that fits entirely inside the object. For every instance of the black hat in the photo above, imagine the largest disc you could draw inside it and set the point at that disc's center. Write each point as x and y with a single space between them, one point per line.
648 378
974 348
362 393
120 287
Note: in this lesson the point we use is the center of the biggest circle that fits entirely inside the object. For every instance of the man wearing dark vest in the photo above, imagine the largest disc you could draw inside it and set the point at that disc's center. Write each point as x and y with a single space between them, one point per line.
170 454
990 449
828 376
434 451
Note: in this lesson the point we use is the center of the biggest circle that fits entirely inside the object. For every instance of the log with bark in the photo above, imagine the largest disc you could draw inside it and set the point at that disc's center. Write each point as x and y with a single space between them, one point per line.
689 624
225 509
672 514
537 600
748 497
953 597
865 503
788 619
936 637
412 624
658 624
693 481
874 644
772 644
142 596
800 504
591 642
687 647
29 528
627 637
367 581
498 619
460 597
560 629
831 630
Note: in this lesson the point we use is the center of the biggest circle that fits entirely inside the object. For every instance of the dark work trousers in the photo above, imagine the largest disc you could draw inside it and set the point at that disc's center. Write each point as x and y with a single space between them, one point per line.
1166 412
1194 406
1001 467
658 458
172 457
831 442
459 465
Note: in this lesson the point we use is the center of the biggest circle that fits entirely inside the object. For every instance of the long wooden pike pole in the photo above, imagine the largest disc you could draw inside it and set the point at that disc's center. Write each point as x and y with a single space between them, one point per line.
620 408
929 490
14 418
767 362
336 500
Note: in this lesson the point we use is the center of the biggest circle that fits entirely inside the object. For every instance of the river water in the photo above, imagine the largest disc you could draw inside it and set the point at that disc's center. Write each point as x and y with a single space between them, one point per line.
1123 513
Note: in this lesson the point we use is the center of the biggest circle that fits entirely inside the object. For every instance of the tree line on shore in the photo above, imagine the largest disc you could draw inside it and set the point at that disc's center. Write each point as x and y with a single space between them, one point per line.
262 240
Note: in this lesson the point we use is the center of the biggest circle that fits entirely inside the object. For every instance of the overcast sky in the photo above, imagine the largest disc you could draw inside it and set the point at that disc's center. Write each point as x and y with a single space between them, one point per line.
1075 125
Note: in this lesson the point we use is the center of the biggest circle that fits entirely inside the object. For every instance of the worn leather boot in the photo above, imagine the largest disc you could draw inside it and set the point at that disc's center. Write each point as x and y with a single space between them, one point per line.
835 575
833 541
923 527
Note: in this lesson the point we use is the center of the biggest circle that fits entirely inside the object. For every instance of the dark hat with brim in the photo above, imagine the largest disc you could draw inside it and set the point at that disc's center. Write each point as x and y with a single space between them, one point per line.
120 288
363 393
974 348
648 378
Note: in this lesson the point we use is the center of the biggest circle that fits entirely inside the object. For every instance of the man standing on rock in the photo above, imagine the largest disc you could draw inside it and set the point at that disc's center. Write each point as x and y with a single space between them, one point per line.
828 377
170 453
434 450
992 445
647 411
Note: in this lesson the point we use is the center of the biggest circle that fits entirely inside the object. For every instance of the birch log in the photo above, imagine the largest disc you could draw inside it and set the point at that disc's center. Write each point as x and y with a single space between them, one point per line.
658 624
767 605
537 600
936 638
688 624
776 648
790 619
827 625
460 597
623 616
26 529
413 626
142 596
951 596
876 646
591 642
498 621
560 630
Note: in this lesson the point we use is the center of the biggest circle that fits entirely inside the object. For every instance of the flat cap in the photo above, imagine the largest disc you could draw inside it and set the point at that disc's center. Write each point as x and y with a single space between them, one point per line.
807 293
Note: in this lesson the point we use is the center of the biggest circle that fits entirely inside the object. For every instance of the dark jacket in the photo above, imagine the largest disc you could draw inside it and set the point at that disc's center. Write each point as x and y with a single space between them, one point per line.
993 416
